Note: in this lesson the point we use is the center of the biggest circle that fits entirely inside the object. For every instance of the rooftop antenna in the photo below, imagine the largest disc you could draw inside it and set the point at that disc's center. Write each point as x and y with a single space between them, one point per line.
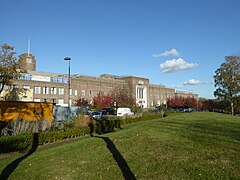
29 44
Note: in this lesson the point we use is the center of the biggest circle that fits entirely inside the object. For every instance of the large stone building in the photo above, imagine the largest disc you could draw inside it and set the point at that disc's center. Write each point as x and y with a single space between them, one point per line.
50 87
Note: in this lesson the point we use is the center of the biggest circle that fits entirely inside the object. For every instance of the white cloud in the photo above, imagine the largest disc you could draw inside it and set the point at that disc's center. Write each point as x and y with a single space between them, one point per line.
176 65
194 82
172 52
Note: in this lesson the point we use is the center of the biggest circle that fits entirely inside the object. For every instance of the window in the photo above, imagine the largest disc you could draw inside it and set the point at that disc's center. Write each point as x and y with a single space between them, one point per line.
26 87
60 101
44 100
37 90
53 90
53 100
70 93
45 90
37 100
140 93
83 92
76 92
26 77
61 91
59 80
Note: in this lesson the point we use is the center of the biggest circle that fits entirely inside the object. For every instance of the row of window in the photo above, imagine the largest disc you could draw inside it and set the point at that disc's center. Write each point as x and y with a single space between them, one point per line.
52 79
54 90
50 90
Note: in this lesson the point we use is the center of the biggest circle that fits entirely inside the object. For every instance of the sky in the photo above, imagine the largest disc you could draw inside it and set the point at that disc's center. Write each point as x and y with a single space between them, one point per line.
176 43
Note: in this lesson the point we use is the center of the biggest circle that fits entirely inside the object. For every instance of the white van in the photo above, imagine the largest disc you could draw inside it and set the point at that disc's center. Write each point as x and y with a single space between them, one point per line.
124 112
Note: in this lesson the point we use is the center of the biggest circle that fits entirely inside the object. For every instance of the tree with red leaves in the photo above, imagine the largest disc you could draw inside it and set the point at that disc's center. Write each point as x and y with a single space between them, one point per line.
121 96
182 102
82 102
102 100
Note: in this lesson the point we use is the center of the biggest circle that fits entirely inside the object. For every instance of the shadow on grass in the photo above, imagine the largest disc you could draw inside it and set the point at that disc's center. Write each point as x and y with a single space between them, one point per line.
122 164
8 170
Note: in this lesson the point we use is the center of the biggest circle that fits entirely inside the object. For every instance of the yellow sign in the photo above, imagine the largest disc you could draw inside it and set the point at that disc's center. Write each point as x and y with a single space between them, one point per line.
26 111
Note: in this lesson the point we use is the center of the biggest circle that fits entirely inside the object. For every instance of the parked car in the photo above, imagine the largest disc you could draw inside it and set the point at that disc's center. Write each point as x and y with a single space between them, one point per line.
96 114
108 111
124 112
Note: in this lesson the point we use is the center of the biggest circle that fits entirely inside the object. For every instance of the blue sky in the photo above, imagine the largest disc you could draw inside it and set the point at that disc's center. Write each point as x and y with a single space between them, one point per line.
171 42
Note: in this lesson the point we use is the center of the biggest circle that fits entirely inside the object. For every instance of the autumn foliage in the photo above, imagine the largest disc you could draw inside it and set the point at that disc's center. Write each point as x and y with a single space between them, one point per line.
120 96
123 98
82 102
103 100
184 102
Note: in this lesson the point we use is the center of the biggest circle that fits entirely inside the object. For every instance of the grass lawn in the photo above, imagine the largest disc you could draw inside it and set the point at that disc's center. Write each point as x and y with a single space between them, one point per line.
181 146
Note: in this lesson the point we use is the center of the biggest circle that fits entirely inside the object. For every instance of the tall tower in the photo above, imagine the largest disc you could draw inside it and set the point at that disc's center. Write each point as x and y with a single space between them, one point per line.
28 61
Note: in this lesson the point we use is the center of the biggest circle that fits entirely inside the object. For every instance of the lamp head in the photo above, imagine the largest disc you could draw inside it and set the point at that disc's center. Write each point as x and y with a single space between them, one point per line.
67 58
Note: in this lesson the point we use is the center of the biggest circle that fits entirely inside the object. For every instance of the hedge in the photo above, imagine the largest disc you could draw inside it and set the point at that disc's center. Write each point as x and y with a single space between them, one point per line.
25 141
107 124
103 125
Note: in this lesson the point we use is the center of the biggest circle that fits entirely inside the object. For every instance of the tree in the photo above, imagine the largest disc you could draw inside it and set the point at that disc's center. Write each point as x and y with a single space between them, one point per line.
227 81
102 100
82 102
121 96
190 102
182 102
10 67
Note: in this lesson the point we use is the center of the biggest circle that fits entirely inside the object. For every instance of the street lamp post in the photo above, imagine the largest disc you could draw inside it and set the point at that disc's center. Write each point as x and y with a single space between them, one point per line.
68 59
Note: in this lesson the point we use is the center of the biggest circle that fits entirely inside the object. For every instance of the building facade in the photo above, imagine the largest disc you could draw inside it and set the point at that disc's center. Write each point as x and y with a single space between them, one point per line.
51 87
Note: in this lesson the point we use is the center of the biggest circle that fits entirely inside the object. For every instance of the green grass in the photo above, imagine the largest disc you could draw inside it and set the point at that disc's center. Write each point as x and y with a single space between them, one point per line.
181 146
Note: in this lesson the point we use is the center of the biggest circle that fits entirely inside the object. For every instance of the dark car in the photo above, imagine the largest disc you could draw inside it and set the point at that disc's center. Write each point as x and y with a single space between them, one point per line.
96 114
108 111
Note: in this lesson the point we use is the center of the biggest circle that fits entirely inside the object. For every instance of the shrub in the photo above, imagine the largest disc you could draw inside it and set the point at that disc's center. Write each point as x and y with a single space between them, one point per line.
143 117
81 121
70 129
107 124
25 141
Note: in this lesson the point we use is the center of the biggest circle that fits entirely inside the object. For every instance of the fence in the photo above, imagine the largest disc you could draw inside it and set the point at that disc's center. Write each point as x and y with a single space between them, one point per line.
65 113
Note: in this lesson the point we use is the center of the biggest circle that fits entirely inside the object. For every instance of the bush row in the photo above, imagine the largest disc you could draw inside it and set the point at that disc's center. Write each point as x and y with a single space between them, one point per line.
103 125
144 117
107 124
25 141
